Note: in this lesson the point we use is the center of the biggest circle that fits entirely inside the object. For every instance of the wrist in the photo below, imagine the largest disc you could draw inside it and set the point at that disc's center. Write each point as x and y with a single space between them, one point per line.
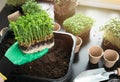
6 66
3 77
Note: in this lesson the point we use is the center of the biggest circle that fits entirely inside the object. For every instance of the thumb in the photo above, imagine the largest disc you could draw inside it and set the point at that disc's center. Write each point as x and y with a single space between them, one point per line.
37 55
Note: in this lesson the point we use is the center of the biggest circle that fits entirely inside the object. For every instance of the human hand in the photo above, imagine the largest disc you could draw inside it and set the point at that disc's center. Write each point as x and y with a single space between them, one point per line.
17 57
14 57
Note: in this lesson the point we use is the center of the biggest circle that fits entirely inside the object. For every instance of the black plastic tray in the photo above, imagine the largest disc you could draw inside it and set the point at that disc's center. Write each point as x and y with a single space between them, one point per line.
70 42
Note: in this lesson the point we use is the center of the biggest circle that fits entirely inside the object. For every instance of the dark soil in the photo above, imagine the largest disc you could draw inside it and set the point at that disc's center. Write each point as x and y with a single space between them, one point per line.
44 67
6 43
53 65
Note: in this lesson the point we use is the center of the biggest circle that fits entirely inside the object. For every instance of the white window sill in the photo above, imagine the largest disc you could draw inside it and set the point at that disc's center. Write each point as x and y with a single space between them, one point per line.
96 3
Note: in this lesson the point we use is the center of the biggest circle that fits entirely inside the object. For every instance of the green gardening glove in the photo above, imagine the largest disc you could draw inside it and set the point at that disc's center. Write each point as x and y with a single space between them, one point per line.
17 57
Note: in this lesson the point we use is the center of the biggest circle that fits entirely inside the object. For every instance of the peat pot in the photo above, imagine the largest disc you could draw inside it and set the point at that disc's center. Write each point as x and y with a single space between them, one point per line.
39 70
57 27
78 44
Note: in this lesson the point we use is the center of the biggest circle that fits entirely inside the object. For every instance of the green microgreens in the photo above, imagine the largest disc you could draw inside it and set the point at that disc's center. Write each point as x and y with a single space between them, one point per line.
32 28
78 23
15 2
112 25
31 7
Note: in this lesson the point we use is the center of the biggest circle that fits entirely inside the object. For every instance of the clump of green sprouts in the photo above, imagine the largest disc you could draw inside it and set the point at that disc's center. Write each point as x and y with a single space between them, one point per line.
32 28
78 24
31 7
15 2
112 32
113 25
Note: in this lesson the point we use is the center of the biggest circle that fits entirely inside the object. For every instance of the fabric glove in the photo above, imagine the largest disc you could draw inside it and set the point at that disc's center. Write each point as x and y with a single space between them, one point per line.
17 57
14 57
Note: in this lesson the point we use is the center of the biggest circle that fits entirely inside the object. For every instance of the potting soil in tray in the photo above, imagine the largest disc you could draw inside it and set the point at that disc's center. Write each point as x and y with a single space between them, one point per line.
53 65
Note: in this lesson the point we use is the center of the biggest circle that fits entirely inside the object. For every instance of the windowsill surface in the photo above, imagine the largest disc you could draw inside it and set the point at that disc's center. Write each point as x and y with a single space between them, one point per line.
101 4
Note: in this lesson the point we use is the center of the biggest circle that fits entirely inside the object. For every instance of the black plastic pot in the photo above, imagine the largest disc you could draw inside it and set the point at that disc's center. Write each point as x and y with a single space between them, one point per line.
70 42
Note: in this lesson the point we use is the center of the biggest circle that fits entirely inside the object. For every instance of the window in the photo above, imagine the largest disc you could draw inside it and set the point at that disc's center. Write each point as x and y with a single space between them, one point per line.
111 4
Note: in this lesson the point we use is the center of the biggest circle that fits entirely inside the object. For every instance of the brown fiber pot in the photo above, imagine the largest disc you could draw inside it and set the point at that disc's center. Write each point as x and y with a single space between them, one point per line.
78 44
14 16
57 27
